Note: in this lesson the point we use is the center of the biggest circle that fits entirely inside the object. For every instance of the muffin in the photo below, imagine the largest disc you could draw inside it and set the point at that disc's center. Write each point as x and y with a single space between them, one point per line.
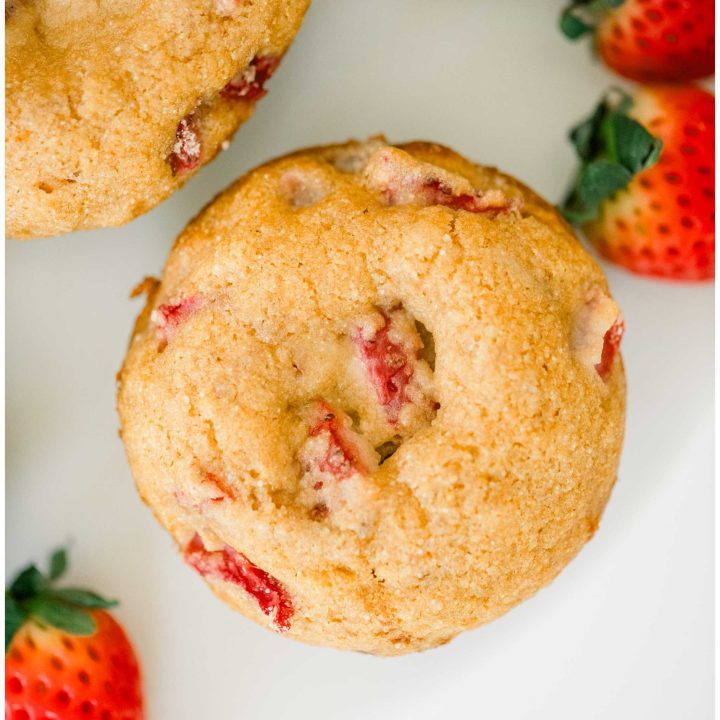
112 106
376 397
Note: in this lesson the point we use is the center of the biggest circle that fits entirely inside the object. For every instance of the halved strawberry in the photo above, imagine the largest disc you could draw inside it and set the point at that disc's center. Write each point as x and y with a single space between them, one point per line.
66 656
648 40
647 200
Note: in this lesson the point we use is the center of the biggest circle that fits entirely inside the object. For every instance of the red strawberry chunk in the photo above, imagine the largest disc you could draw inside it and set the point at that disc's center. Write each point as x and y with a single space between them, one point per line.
249 84
168 317
186 151
611 347
340 455
437 192
232 566
338 464
401 179
388 367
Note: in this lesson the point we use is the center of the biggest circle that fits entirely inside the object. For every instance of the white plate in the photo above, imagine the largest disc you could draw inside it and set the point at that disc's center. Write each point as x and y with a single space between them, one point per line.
625 632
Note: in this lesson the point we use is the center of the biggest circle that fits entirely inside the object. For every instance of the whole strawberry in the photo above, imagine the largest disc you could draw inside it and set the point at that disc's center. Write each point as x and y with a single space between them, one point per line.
648 40
646 201
66 657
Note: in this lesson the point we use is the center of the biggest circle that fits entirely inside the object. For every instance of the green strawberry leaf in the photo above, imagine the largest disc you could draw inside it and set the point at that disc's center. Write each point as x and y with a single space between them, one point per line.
15 616
584 134
634 147
575 211
572 26
612 148
58 564
28 583
600 179
582 16
31 595
597 180
73 620
83 598
576 214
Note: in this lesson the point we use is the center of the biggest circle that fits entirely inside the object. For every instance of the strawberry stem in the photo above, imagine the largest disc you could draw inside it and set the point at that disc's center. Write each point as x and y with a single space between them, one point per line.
582 16
612 148
31 596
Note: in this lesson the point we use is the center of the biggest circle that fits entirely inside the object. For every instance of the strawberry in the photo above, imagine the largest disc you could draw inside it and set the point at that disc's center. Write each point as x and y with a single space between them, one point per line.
648 40
66 657
647 201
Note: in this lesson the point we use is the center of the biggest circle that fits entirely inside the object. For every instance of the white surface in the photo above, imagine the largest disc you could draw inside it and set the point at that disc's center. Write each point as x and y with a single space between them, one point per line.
625 632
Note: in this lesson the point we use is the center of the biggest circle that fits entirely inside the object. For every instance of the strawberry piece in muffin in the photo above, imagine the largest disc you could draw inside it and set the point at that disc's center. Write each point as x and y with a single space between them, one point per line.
169 316
598 331
611 347
336 463
388 346
218 487
249 83
232 566
211 490
186 151
333 448
401 179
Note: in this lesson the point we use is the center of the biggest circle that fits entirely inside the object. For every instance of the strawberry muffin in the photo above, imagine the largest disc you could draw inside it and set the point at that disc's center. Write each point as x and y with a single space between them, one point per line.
377 397
112 106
